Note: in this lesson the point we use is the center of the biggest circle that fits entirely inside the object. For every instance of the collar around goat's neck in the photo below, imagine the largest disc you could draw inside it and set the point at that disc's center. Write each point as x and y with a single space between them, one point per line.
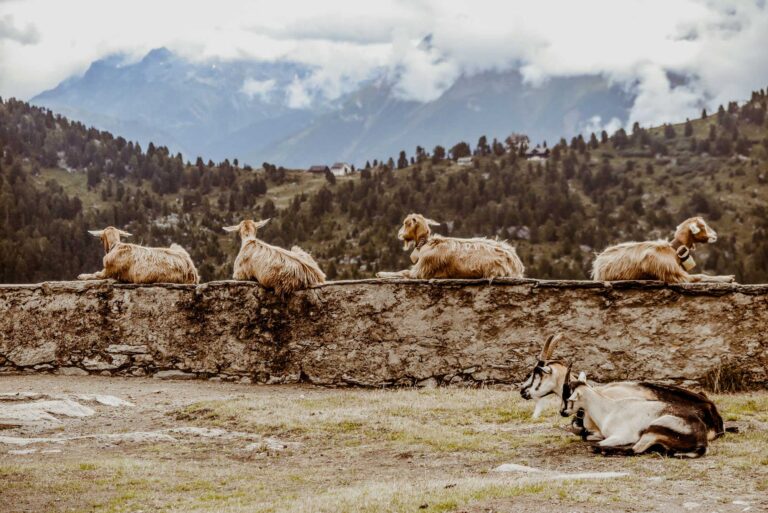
421 241
683 250
109 245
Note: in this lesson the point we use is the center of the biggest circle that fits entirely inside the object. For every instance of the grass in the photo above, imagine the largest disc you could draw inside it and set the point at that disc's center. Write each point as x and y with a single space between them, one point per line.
378 451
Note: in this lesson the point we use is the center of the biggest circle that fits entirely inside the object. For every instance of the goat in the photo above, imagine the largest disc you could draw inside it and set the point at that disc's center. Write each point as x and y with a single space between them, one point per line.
273 267
634 425
132 263
435 256
658 260
552 378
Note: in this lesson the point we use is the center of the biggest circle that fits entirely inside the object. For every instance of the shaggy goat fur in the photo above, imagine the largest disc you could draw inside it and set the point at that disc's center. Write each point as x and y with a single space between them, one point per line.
436 256
273 267
131 263
656 260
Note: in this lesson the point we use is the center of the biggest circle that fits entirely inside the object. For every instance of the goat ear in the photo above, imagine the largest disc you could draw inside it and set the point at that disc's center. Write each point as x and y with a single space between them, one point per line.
694 228
432 222
583 376
546 369
124 233
262 222
96 233
231 228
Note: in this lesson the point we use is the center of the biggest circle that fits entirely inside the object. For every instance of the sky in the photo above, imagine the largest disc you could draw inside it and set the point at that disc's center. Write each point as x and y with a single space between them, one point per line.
717 46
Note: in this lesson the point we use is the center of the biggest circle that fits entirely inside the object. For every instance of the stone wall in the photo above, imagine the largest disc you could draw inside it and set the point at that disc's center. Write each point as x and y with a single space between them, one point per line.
379 333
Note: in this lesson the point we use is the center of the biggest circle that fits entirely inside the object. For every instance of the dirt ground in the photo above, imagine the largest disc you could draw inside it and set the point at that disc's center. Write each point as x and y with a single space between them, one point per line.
196 446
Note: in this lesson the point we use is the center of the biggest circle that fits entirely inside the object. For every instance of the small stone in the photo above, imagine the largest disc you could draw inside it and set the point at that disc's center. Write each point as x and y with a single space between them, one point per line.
138 372
71 371
28 356
99 363
174 374
514 467
43 367
246 380
127 349
427 383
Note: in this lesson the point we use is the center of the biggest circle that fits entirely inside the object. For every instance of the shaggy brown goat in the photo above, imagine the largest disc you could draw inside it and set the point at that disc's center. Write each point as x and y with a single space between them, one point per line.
658 260
131 263
435 256
273 267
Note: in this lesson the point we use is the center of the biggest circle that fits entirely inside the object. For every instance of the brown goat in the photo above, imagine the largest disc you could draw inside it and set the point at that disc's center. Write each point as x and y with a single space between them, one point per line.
658 260
273 267
131 263
435 256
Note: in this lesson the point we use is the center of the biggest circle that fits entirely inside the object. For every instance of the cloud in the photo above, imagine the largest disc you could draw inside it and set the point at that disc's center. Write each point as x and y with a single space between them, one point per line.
26 36
595 125
637 44
299 96
260 88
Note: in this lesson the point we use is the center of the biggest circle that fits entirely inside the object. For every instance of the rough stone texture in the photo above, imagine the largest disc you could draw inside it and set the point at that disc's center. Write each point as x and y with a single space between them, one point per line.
378 333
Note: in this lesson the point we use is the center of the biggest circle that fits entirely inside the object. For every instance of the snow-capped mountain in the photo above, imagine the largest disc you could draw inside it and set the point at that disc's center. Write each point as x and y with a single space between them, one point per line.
247 110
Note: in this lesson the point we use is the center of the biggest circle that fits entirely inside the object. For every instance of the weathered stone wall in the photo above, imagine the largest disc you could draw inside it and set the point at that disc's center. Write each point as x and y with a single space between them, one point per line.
378 333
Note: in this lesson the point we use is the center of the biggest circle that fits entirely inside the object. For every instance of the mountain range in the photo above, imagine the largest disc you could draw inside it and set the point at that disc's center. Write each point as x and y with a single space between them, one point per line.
248 110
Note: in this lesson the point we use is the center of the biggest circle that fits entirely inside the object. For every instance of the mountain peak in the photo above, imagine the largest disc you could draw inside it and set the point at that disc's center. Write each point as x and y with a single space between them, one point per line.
158 55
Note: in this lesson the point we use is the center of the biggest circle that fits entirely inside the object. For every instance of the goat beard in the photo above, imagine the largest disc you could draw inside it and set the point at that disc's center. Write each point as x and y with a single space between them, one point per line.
408 244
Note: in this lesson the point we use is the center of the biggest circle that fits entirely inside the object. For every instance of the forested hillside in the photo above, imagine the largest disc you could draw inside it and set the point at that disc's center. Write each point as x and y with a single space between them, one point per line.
58 178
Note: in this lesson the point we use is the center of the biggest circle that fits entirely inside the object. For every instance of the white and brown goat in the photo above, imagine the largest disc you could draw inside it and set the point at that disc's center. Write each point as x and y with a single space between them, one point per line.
668 261
552 378
273 267
435 256
132 263
634 425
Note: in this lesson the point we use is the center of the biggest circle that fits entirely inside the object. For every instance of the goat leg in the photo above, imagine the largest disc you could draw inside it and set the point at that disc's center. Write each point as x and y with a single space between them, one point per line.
399 274
99 275
705 278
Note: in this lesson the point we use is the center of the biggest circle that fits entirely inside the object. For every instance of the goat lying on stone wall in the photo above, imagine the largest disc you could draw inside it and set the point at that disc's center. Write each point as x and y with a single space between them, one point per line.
552 378
132 263
435 256
633 426
658 260
275 268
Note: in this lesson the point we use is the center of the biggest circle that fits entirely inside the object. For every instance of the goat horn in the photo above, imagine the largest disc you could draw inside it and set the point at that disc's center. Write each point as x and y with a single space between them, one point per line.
552 344
124 233
432 222
545 349
96 233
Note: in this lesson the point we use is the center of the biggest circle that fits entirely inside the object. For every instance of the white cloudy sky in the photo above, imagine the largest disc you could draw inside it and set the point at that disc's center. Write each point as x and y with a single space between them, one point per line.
720 44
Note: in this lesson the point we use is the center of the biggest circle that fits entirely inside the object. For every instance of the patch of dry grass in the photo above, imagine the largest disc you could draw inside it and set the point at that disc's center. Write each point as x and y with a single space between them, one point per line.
378 451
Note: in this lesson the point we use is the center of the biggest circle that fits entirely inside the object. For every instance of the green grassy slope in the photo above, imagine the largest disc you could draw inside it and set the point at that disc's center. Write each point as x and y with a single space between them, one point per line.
589 194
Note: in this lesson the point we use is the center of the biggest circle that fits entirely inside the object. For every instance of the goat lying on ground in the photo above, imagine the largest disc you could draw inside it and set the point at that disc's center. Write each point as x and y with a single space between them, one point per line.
131 263
658 260
633 426
552 378
435 256
273 267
